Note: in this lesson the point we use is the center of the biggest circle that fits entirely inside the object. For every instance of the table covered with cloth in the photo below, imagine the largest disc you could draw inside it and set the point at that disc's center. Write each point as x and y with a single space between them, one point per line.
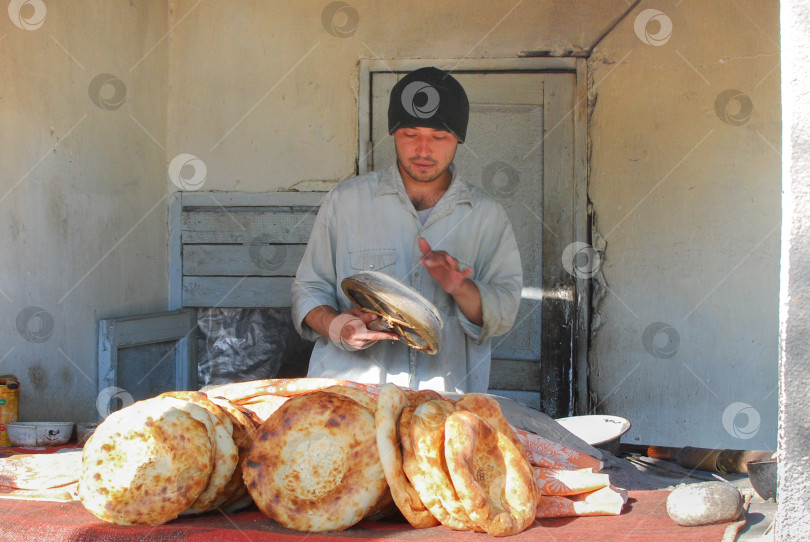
644 519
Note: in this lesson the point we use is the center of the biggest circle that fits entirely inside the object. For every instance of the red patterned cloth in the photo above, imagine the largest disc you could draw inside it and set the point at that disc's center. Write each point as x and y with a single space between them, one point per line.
644 519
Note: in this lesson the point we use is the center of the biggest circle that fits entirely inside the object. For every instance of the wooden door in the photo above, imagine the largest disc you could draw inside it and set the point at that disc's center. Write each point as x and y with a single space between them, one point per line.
520 149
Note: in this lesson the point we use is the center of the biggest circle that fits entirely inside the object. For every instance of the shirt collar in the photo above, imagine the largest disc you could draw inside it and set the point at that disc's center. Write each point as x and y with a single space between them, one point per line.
457 192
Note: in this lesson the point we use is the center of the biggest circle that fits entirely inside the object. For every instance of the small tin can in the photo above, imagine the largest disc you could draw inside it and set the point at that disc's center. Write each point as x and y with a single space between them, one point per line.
9 404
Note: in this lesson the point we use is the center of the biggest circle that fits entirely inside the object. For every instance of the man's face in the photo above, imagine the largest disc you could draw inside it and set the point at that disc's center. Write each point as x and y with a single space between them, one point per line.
424 153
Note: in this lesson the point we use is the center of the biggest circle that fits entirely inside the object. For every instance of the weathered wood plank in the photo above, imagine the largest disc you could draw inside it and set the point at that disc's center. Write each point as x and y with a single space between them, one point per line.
235 225
253 259
508 374
246 199
243 292
150 328
175 252
476 64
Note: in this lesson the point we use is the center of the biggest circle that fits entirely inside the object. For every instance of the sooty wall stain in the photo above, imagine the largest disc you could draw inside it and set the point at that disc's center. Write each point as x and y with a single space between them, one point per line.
38 377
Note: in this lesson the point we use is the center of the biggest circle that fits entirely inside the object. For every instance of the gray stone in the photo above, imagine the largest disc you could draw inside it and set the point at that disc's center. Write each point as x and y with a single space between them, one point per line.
704 504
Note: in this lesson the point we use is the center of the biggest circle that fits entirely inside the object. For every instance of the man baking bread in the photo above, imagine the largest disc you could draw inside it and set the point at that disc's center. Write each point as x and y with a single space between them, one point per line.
421 223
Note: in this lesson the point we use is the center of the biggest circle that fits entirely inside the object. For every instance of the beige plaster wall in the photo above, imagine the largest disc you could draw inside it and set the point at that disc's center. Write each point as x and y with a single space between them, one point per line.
265 93
685 184
82 189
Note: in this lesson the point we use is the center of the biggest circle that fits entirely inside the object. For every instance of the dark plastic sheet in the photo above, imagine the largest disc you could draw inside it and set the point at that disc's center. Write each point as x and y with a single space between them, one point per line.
236 345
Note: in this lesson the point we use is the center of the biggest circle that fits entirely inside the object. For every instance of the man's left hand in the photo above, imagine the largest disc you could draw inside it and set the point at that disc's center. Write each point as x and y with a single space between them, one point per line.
443 268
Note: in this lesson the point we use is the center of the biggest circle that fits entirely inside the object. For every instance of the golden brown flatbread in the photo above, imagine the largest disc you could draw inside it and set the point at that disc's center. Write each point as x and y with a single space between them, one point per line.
145 464
416 398
226 454
314 465
390 404
244 431
492 477
357 395
263 406
488 409
428 473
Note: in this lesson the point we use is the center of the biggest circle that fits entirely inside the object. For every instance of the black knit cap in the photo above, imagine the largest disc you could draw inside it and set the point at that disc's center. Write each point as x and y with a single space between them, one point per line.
430 98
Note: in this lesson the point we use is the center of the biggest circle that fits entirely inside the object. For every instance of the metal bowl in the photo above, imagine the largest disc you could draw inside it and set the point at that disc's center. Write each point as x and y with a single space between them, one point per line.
762 475
598 430
30 434
84 431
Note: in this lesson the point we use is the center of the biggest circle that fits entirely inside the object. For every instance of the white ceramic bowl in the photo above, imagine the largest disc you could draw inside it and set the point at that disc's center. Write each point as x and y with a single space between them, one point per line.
602 431
29 434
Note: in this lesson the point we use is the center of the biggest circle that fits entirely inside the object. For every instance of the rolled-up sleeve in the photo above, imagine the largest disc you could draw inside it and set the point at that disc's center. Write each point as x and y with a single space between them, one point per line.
499 278
315 281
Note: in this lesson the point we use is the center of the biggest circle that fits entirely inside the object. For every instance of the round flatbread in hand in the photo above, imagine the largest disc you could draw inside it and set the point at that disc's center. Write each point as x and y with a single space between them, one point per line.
390 404
314 465
492 477
145 464
428 473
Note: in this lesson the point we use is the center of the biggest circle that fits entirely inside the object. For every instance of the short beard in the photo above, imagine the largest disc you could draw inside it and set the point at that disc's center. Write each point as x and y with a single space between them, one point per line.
419 178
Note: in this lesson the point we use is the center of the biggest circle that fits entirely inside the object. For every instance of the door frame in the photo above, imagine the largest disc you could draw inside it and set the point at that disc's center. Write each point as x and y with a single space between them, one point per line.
564 386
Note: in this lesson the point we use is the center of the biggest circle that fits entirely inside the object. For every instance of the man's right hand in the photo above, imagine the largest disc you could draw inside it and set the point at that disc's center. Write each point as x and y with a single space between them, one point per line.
348 329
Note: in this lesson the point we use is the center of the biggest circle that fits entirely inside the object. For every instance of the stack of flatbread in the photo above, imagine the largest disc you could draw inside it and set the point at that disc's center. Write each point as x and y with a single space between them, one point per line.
322 454
325 459
178 453
455 463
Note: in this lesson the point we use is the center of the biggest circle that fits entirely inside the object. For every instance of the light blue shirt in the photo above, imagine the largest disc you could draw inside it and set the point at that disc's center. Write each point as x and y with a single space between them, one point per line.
369 223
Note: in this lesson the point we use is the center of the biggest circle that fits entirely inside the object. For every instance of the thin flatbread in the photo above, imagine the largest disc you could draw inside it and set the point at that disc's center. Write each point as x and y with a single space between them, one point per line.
390 404
359 396
416 398
145 464
488 409
427 473
314 465
226 454
492 477
400 307
263 406
244 431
